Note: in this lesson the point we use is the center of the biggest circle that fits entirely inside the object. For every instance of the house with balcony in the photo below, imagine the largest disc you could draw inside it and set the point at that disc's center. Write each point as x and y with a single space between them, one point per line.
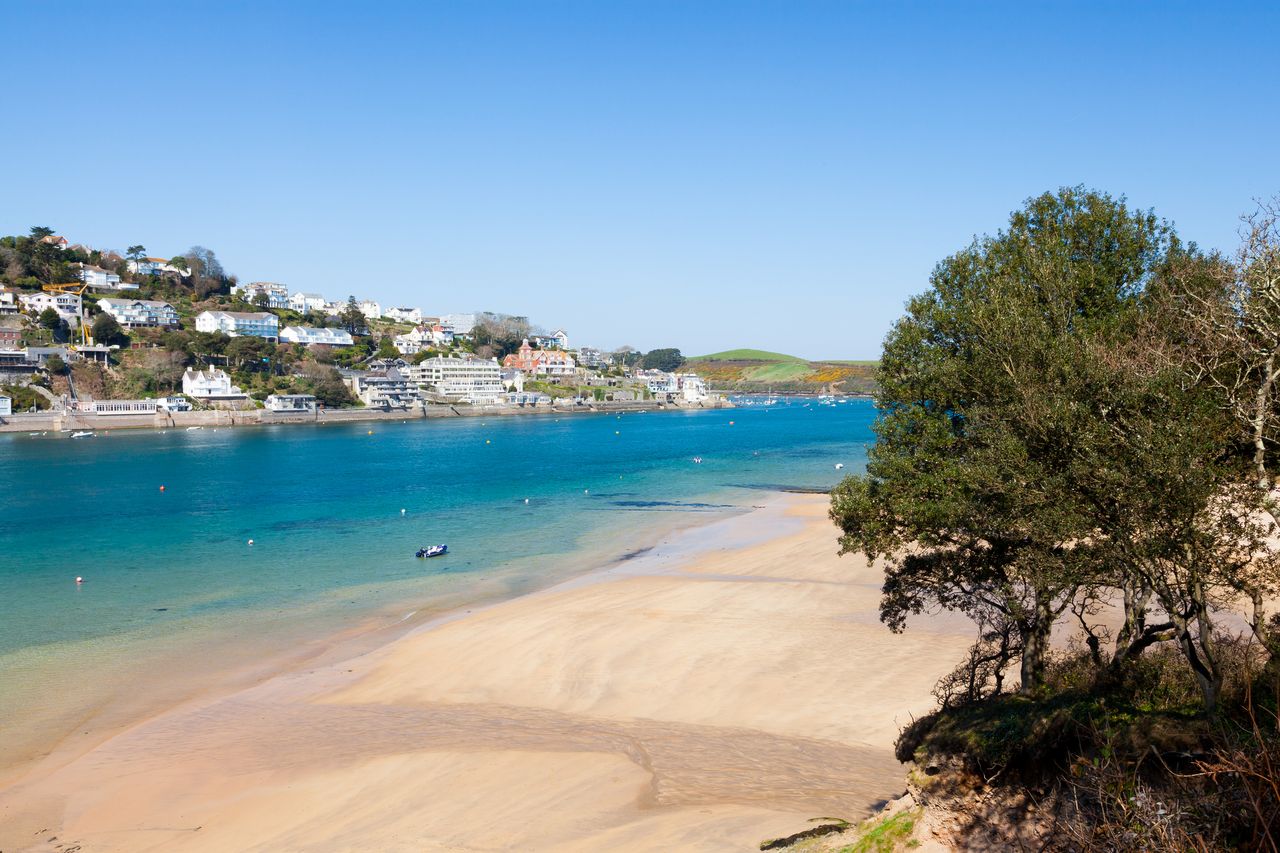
460 380
141 313
66 304
388 389
210 385
155 266
541 362
307 302
404 315
291 404
558 339
277 294
259 324
311 336
99 278
459 324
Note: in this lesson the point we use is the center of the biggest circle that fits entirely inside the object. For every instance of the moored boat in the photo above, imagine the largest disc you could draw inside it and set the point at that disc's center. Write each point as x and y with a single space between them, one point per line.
433 551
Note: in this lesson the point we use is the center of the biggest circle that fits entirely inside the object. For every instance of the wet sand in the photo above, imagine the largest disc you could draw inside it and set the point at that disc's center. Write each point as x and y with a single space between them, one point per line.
722 688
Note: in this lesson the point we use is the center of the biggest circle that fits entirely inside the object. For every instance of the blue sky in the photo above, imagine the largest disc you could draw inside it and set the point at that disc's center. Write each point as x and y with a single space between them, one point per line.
700 175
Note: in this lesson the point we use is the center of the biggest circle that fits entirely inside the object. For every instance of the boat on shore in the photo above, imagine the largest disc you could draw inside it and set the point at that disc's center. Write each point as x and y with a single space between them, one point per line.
432 551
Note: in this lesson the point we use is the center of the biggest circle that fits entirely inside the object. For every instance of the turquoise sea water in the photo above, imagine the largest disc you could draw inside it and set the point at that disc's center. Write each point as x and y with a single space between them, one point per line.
323 506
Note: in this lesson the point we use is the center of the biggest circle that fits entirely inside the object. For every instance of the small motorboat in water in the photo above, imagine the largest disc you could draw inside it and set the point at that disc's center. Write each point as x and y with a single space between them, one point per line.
433 551
83 435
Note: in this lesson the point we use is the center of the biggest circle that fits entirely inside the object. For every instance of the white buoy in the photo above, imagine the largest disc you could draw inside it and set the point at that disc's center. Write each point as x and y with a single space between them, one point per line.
839 465
402 512
250 541
526 500
79 579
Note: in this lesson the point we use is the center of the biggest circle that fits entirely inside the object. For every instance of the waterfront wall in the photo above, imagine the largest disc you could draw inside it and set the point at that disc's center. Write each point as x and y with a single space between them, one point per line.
67 421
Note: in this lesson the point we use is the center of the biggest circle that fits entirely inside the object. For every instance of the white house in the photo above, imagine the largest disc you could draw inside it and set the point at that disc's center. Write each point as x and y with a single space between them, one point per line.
9 302
693 389
277 294
211 384
370 309
304 302
155 266
256 323
464 380
66 304
311 336
405 315
290 403
141 313
459 324
558 339
412 342
659 382
389 389
6 406
99 278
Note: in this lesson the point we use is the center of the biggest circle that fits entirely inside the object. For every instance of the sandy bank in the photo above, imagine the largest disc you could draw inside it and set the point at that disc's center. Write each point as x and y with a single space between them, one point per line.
669 703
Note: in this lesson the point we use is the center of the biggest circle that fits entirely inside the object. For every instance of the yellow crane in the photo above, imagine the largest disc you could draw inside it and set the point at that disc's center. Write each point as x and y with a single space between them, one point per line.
75 288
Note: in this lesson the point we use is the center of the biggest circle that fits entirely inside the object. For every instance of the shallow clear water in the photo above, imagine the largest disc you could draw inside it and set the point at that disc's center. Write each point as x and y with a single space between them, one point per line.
323 506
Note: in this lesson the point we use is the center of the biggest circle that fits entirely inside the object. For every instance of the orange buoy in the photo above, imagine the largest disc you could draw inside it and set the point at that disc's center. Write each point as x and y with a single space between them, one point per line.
162 488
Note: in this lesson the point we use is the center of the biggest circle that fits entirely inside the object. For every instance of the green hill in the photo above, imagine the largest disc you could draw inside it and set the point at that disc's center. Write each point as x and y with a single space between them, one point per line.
746 355
748 370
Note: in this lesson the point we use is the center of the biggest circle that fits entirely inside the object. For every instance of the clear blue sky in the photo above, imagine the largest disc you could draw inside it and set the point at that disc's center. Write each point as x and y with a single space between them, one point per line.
693 174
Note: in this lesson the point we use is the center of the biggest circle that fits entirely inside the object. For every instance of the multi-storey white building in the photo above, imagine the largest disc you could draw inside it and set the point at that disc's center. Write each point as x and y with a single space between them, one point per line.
389 389
404 315
312 336
277 294
156 266
66 304
141 313
99 278
463 380
290 403
257 323
304 302
370 309
211 384
589 357
459 324
693 388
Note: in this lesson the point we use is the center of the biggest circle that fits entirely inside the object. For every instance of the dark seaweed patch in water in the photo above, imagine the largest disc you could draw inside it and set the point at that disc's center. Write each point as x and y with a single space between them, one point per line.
681 504
631 555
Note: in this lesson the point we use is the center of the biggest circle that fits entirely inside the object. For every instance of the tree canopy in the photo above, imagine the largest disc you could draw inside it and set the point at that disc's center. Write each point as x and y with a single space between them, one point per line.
1025 464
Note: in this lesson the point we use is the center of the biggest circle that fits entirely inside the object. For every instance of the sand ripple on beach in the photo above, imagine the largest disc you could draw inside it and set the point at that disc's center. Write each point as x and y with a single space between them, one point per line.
688 764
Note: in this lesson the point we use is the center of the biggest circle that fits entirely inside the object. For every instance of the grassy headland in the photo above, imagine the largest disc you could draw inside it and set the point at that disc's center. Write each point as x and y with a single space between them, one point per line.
753 370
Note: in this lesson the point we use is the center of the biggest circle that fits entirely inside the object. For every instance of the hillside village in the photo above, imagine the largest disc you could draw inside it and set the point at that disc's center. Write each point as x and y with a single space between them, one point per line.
95 332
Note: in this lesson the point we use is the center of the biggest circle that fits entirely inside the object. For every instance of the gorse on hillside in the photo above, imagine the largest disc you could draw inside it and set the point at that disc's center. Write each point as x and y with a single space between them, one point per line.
1080 415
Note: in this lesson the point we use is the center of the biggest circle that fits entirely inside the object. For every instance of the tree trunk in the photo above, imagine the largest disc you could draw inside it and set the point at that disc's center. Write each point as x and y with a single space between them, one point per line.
1261 414
1035 645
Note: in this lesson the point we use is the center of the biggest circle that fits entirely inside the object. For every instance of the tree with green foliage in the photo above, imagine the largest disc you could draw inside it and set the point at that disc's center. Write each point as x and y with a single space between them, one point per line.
55 365
662 359
984 405
136 253
107 332
387 348
50 319
353 319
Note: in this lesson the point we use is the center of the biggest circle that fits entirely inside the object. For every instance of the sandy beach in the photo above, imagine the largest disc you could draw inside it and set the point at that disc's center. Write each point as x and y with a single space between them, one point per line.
721 689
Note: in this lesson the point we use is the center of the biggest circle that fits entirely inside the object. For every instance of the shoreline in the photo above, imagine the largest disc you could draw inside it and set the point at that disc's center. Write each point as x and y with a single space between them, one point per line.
51 421
632 693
